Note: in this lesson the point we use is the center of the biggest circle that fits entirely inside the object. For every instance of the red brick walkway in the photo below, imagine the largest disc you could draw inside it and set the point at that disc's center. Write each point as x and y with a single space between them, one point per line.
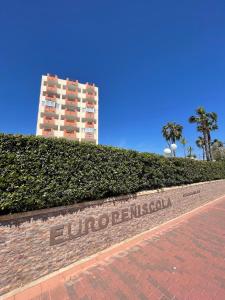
183 259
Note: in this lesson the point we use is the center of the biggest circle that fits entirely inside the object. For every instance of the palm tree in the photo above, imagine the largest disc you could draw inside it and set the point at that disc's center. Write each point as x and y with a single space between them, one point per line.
172 132
183 142
190 152
218 150
212 126
201 144
206 122
217 142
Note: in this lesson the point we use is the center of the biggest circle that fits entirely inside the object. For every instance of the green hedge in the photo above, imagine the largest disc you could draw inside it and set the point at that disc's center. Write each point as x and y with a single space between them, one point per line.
38 173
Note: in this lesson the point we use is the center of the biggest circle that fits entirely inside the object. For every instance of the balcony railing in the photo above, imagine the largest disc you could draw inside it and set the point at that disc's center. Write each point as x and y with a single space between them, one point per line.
51 95
72 97
69 107
47 125
49 114
70 117
51 83
70 128
90 100
87 119
73 88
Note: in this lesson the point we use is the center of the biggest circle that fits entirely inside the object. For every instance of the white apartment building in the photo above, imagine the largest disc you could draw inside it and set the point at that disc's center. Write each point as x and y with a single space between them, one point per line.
68 109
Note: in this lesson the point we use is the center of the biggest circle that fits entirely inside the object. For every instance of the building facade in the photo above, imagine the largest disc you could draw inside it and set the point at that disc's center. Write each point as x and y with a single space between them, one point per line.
68 109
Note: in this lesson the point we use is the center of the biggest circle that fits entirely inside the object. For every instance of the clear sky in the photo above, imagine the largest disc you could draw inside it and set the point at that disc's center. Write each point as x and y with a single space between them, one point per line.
154 62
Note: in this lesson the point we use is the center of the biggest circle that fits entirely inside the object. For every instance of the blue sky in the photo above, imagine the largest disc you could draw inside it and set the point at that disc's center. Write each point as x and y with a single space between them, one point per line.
154 62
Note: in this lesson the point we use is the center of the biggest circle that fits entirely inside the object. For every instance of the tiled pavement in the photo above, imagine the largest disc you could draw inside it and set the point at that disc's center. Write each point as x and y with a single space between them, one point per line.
182 259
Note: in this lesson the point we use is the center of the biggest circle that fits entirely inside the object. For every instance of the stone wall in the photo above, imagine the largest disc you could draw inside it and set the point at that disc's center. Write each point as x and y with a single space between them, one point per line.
36 243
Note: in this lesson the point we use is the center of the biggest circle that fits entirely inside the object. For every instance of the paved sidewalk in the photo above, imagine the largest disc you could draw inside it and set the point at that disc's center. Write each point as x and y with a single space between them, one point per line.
182 259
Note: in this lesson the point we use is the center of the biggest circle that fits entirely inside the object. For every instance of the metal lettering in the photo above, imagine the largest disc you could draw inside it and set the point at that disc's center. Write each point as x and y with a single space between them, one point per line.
92 224
115 217
90 221
125 216
103 221
78 234
55 232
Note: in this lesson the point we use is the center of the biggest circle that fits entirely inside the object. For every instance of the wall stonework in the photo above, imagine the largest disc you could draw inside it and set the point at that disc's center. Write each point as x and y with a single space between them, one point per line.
37 243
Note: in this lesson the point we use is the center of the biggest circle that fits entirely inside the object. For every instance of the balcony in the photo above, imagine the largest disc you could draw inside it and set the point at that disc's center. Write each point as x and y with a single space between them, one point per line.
50 98
48 126
51 82
91 93
70 135
47 132
72 97
70 112
88 119
49 114
51 89
70 117
69 128
51 95
90 105
73 93
68 122
71 102
90 87
73 88
48 120
70 107
49 109
90 100
89 125
90 115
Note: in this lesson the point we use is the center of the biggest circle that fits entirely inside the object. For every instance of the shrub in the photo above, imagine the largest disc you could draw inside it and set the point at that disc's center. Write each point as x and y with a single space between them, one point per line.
37 173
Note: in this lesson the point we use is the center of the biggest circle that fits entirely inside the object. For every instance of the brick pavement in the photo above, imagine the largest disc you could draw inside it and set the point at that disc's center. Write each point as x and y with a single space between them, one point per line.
182 259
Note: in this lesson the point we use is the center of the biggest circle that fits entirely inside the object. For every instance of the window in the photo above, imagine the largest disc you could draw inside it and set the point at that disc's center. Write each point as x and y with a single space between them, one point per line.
88 109
50 103
91 130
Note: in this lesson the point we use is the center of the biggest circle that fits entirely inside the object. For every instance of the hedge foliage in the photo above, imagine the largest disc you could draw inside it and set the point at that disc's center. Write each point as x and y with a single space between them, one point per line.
37 173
